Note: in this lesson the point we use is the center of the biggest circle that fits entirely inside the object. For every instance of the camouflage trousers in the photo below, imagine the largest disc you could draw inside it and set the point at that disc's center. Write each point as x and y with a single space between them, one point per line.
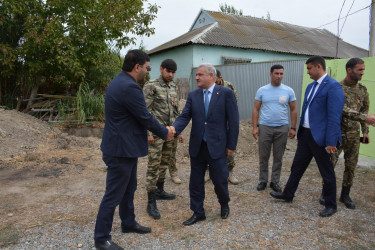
231 162
350 146
159 157
172 165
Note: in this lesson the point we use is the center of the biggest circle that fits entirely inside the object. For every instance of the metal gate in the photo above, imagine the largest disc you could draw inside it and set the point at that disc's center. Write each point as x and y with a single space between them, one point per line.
248 78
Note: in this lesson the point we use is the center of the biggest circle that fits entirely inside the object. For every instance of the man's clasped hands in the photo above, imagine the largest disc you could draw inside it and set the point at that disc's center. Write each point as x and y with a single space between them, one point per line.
171 132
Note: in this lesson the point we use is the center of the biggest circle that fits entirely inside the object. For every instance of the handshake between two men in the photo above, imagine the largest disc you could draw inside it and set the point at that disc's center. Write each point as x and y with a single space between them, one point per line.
171 132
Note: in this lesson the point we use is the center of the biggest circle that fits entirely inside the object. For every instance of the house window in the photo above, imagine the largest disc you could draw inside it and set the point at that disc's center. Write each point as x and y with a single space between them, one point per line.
231 60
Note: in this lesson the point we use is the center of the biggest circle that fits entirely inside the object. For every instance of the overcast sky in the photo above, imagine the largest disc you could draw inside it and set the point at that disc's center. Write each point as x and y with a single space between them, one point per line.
175 17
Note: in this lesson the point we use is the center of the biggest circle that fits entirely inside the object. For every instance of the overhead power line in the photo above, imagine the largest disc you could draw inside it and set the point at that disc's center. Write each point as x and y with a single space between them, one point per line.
338 25
297 34
342 27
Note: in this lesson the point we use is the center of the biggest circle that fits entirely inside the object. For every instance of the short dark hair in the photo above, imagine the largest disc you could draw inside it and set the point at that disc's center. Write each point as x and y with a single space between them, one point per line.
133 57
353 62
218 73
169 64
276 66
315 60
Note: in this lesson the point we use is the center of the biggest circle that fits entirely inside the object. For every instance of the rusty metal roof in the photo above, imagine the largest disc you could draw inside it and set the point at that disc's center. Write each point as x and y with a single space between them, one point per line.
248 32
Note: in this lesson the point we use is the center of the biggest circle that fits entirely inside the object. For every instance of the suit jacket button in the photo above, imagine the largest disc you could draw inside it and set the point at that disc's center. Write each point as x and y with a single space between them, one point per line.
205 123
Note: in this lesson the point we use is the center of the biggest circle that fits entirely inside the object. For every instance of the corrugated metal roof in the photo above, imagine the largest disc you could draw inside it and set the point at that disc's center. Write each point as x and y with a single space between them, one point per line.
255 33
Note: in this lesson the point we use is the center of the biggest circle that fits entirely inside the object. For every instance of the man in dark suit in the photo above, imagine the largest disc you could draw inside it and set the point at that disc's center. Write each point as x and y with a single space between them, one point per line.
318 134
124 140
214 133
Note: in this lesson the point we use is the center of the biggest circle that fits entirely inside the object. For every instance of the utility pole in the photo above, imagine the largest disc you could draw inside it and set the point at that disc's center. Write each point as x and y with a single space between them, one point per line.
372 27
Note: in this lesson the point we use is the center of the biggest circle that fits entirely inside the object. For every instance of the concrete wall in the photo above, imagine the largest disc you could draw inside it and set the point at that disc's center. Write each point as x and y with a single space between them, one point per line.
336 69
248 78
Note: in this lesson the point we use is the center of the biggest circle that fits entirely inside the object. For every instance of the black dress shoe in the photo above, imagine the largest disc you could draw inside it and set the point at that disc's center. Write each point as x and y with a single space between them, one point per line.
275 187
225 211
328 211
281 196
194 219
107 245
136 229
261 186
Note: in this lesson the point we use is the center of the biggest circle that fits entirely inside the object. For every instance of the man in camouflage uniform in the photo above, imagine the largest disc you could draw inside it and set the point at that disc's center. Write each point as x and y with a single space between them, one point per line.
172 165
354 116
162 102
231 163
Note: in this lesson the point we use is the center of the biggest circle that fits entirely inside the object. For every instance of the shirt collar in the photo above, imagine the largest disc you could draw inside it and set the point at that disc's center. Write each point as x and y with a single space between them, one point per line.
211 89
320 80
347 83
164 83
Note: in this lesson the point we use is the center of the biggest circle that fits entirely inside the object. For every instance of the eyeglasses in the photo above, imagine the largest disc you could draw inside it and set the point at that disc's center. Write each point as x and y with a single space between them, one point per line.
148 68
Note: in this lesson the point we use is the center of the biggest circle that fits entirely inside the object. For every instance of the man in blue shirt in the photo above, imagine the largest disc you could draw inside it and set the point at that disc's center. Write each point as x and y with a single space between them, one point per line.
272 125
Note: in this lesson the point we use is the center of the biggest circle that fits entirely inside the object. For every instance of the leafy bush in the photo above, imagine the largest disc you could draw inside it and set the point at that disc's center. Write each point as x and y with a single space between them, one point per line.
89 105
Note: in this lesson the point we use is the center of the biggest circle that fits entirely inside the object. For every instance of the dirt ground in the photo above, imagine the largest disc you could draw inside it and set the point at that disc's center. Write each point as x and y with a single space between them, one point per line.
48 176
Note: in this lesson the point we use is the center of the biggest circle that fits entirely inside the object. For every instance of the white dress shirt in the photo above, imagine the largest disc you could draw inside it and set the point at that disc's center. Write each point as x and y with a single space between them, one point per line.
306 122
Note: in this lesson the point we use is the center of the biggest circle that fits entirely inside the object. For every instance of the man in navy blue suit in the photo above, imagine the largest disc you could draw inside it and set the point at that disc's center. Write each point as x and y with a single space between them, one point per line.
124 140
214 133
318 135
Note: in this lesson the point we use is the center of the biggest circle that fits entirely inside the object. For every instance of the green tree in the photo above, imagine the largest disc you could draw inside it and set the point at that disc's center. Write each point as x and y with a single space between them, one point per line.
229 9
57 45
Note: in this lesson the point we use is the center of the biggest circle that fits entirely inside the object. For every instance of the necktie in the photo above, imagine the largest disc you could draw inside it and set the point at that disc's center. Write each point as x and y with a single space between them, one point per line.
206 103
307 102
311 93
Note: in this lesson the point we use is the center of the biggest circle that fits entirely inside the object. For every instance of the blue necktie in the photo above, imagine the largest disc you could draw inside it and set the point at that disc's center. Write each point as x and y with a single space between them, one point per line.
206 104
307 102
311 93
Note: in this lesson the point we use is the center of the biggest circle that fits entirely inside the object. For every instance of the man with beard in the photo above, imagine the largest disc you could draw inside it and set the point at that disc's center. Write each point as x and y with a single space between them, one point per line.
124 140
354 117
319 134
271 125
162 102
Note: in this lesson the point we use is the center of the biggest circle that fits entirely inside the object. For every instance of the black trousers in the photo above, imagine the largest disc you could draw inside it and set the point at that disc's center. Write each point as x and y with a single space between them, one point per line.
306 149
121 183
218 173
